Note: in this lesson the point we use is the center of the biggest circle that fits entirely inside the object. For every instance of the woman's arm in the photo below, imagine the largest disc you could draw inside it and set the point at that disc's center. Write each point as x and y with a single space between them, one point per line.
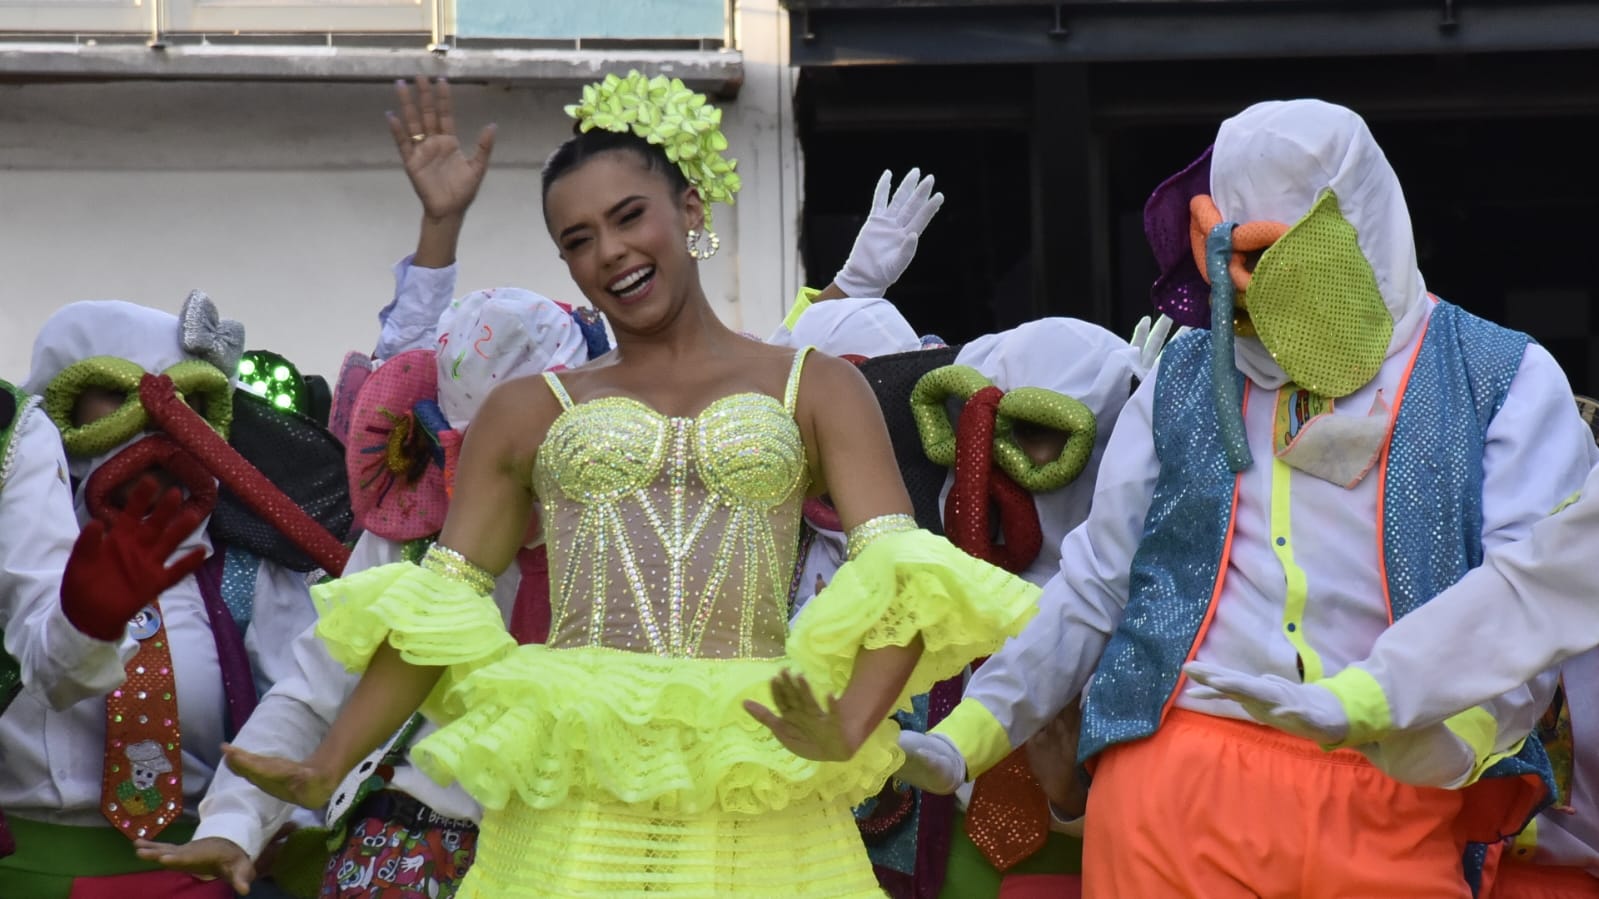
853 460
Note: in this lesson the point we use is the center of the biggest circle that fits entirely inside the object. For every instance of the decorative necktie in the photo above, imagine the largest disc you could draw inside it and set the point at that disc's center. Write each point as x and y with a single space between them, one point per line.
141 787
1008 816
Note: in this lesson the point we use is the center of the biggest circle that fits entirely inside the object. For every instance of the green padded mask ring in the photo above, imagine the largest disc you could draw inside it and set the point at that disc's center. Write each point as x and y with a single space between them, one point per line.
1316 306
1049 409
101 436
1030 404
193 378
928 399
197 380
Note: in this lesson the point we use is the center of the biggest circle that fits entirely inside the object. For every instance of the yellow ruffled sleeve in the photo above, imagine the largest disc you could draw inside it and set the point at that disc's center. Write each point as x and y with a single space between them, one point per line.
903 585
431 619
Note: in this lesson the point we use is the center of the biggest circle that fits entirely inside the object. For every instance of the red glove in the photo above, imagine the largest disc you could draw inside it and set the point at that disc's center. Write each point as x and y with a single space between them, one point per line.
115 571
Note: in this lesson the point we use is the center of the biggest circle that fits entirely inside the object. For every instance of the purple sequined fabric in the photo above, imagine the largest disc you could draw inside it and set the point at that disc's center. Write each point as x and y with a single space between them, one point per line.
1180 292
238 682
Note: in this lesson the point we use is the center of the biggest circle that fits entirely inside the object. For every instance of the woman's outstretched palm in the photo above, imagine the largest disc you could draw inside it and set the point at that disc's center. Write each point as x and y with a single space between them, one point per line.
296 782
446 180
800 723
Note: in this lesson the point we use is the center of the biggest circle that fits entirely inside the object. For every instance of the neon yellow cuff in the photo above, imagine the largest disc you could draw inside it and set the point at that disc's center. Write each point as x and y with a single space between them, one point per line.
1364 703
802 302
978 735
1478 730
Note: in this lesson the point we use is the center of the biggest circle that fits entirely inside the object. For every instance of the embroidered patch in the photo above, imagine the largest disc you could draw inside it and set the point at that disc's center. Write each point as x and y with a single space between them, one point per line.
1295 407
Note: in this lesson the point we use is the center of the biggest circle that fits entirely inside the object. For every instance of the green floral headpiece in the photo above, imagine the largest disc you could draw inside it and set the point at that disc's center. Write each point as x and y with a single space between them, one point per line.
666 113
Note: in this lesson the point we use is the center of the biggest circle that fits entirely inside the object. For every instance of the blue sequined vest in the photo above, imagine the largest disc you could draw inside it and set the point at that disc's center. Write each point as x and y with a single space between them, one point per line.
1431 513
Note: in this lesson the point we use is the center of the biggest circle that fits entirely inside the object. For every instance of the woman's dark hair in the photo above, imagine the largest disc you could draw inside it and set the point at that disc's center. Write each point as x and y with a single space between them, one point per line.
589 144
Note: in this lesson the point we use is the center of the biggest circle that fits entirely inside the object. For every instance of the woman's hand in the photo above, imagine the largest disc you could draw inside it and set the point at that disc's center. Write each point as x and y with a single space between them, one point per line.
801 724
209 858
446 180
305 784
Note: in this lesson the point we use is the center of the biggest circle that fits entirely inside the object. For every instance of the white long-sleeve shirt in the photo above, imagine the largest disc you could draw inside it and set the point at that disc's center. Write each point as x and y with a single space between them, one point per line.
420 296
1530 605
60 664
1536 453
295 715
51 761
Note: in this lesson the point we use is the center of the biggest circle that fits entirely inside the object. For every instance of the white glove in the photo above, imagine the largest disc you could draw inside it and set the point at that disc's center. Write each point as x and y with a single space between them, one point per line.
1149 338
887 242
932 763
1304 710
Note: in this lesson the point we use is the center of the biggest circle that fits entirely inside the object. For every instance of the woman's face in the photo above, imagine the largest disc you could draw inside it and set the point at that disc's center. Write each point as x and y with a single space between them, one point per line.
622 232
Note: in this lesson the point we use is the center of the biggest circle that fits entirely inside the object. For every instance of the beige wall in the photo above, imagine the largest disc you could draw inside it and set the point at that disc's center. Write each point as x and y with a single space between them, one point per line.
286 204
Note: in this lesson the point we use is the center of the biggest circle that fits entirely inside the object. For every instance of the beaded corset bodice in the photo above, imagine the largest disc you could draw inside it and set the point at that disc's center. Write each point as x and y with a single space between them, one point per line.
670 535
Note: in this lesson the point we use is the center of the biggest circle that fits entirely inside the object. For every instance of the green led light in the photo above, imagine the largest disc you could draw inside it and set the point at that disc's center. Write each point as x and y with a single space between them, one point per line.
273 378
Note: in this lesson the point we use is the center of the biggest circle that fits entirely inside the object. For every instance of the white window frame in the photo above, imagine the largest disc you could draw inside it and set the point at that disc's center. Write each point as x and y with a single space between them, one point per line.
77 16
222 16
300 16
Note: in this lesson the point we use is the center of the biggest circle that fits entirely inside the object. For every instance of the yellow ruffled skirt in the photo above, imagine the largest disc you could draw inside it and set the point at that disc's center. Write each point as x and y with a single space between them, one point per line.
605 772
583 848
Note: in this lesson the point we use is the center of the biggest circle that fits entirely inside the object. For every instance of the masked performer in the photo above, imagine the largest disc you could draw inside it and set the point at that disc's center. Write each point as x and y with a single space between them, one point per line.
1336 450
66 596
136 391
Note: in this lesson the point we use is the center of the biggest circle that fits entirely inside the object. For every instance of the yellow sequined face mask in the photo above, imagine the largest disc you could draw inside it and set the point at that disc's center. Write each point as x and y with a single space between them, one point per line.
1314 302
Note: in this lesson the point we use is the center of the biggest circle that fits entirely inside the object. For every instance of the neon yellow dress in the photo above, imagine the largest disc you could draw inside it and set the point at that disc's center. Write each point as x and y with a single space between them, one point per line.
617 760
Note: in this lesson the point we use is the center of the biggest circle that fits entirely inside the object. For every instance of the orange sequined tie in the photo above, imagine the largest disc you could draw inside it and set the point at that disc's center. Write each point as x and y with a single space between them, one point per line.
141 786
1008 817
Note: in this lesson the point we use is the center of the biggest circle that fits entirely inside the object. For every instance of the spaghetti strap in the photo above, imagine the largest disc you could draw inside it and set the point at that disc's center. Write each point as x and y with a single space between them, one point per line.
558 389
791 390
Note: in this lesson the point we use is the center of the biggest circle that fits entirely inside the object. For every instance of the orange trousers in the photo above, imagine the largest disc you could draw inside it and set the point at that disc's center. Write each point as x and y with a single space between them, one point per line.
1212 808
1518 880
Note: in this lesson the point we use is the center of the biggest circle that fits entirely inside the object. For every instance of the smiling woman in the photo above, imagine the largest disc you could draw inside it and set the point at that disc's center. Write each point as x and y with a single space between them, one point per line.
635 751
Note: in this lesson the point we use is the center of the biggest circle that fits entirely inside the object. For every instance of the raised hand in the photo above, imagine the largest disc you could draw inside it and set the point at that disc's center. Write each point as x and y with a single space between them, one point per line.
116 569
800 723
210 857
1304 710
446 180
300 783
887 242
1149 338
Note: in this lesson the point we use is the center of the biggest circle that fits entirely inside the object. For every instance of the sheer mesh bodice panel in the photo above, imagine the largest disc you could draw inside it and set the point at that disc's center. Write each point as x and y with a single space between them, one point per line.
673 536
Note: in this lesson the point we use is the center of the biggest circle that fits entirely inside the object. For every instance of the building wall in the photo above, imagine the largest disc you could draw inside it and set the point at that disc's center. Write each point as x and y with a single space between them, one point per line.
286 203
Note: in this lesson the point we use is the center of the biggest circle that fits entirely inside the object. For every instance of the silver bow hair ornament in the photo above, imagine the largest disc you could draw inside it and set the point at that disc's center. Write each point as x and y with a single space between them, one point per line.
206 335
